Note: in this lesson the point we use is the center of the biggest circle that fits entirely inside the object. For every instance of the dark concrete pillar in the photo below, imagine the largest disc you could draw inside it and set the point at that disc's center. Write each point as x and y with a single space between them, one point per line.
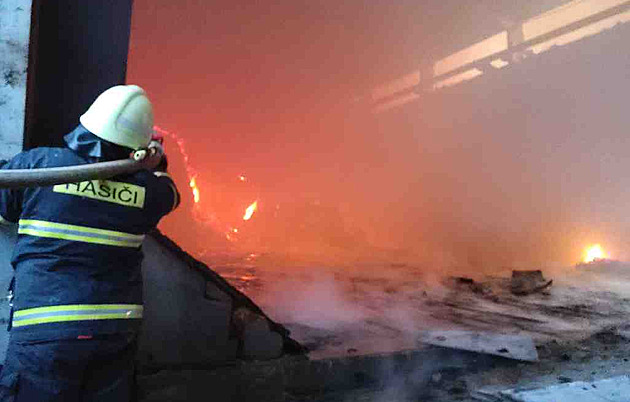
78 49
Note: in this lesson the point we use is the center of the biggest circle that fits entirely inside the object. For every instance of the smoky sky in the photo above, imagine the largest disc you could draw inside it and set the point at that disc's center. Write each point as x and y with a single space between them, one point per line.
523 166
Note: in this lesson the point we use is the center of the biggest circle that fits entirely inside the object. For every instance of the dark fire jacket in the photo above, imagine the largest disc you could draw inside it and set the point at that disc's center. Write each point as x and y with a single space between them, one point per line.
78 256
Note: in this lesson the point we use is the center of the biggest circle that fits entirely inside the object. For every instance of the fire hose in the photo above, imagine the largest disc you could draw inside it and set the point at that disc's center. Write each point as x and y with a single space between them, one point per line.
20 178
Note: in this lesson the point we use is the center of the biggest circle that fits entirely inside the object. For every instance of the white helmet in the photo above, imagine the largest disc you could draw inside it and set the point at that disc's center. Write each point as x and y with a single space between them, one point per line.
123 115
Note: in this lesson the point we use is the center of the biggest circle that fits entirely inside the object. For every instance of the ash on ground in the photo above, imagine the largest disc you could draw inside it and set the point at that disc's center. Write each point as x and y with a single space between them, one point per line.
374 308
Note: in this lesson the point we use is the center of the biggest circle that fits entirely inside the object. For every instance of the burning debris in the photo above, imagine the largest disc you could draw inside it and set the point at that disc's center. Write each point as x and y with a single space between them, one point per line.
594 253
249 212
206 214
195 190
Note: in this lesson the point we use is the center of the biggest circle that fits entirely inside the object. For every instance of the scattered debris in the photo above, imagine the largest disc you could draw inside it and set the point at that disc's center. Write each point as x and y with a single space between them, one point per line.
460 282
517 347
616 389
564 379
579 332
624 331
459 387
609 336
528 282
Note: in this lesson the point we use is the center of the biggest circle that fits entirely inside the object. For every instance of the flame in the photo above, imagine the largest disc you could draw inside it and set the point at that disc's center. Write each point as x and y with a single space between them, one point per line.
594 252
242 178
195 189
250 211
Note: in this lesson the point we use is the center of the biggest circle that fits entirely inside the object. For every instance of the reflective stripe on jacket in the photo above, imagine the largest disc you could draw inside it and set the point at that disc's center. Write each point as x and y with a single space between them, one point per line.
76 312
78 233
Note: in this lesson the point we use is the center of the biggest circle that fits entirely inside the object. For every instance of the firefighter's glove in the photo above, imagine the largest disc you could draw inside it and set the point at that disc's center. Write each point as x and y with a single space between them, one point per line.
156 148
153 155
153 150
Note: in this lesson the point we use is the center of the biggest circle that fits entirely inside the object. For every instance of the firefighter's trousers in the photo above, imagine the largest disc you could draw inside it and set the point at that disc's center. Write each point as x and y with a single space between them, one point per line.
70 370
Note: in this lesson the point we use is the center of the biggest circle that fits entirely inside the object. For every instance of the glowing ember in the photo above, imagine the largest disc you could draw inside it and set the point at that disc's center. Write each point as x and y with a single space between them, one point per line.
594 252
250 211
195 189
247 277
242 178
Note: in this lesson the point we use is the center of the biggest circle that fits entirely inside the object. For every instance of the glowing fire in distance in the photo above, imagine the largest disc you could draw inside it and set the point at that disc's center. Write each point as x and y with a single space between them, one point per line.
594 252
250 211
195 189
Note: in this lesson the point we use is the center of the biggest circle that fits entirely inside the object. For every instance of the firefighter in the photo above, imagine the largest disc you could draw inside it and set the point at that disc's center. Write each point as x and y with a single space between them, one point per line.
77 288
